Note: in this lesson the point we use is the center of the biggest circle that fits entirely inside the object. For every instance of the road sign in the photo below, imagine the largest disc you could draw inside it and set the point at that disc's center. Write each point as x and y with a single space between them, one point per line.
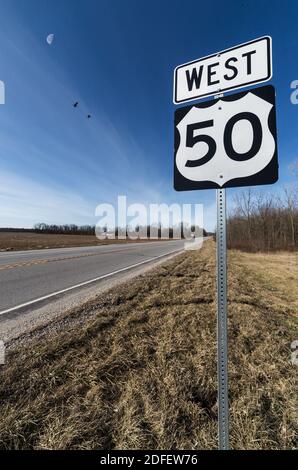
240 66
227 142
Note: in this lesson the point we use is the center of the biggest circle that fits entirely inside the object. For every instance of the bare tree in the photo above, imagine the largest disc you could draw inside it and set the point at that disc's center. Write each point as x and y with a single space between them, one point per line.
291 208
264 222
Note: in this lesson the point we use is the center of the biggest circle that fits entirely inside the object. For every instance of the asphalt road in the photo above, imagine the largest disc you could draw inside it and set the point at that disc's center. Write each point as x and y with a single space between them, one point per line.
30 277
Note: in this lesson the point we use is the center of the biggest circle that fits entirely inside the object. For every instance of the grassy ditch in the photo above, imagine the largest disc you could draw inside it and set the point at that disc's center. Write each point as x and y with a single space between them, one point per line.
136 368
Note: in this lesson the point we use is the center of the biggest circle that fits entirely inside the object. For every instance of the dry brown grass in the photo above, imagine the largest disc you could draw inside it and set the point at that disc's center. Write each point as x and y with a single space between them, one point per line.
137 367
10 241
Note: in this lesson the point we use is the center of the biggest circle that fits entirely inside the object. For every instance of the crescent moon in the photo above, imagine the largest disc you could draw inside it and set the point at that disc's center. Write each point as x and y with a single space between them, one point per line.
50 39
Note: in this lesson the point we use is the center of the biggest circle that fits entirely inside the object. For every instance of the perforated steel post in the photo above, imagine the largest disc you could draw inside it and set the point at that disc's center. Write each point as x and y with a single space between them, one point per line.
222 336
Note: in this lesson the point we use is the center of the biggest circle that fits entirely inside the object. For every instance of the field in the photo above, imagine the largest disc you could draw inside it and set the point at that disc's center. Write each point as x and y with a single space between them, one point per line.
136 368
10 241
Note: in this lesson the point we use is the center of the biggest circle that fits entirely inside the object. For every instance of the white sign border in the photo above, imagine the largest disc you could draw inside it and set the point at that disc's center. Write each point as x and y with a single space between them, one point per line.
221 90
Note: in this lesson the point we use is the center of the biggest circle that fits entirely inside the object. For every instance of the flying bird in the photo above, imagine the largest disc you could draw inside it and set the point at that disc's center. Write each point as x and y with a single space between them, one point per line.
76 104
50 39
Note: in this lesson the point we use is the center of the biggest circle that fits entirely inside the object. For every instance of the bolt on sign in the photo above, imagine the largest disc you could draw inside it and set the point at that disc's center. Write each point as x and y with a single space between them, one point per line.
240 66
227 142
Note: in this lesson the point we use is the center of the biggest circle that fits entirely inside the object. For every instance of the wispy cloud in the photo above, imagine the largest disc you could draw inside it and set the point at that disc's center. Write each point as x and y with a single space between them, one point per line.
24 202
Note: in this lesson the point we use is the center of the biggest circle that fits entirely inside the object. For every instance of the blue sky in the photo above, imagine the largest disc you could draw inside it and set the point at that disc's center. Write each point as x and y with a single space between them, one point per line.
117 59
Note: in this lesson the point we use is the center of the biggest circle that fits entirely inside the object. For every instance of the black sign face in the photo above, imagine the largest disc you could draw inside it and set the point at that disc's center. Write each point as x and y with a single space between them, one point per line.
227 142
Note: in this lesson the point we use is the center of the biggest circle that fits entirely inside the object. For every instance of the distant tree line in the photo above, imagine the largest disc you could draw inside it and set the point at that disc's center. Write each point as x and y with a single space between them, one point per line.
67 229
72 229
264 222
160 231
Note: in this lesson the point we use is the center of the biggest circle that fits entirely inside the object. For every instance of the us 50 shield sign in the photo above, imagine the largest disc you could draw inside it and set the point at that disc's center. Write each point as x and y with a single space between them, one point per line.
227 142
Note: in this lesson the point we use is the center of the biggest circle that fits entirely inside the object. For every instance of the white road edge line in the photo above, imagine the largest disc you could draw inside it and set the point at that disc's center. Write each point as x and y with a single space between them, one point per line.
85 283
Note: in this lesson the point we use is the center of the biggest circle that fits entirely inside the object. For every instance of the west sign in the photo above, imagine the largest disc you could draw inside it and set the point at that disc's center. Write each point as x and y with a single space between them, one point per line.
240 66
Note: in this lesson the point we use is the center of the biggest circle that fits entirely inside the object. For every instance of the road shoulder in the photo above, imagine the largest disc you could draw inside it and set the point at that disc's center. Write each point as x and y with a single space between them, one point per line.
24 323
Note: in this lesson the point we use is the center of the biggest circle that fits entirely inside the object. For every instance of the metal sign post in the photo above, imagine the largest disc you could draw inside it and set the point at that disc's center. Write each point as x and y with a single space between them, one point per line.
222 336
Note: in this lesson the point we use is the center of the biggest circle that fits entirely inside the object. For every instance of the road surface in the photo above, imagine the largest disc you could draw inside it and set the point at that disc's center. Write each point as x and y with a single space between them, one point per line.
28 278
